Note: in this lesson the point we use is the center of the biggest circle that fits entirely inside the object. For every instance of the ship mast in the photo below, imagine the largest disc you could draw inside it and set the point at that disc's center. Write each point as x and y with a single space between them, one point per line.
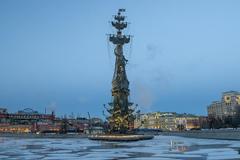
121 114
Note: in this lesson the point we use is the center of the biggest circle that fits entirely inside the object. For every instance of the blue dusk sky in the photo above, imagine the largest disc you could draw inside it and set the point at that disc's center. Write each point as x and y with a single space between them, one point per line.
54 54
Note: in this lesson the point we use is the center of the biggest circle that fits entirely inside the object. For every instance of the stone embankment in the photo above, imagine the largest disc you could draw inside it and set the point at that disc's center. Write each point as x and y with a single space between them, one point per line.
222 134
31 135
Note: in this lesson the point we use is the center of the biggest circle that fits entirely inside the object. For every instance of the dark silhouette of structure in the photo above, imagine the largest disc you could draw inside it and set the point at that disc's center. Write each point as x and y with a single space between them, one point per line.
121 114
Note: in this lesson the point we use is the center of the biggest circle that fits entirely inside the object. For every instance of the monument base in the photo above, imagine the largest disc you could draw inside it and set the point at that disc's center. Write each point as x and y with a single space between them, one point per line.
120 137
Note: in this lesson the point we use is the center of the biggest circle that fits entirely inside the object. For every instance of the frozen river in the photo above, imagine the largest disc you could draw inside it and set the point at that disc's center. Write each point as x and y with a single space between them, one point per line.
161 147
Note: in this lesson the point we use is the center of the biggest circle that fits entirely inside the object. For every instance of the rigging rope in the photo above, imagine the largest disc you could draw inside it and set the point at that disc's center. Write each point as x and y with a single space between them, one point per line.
130 47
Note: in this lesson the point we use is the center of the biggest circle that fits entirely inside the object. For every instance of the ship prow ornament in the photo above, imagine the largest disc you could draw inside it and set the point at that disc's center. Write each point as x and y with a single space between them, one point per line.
121 112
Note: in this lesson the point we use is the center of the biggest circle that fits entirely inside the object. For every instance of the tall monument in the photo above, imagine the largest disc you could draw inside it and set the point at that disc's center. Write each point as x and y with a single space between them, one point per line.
121 114
120 110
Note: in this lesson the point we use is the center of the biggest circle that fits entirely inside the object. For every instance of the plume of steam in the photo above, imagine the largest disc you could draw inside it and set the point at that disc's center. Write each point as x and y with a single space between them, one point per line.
152 51
143 96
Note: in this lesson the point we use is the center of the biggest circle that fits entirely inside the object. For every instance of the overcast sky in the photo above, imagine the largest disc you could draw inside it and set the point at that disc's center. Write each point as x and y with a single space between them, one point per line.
55 54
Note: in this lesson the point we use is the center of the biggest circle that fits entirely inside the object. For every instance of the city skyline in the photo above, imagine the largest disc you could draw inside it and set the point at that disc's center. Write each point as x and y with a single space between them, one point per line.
55 55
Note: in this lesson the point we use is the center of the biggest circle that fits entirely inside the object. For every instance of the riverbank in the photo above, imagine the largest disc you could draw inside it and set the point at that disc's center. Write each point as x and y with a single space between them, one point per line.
220 134
32 135
225 134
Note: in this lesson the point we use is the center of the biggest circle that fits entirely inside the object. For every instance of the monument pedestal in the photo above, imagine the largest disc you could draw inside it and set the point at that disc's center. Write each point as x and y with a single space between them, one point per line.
120 137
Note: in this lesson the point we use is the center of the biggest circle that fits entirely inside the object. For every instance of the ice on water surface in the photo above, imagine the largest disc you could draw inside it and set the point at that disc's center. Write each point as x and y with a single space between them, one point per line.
161 147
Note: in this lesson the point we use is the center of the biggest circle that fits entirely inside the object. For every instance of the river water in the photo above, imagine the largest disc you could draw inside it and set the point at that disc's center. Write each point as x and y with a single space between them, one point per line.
161 147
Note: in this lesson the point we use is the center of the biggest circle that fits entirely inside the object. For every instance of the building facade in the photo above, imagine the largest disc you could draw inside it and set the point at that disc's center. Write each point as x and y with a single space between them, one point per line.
226 112
187 122
26 116
7 128
24 121
167 121
228 106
